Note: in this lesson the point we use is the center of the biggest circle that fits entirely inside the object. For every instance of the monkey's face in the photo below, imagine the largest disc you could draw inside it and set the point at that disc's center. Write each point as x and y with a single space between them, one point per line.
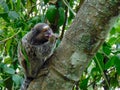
41 33
47 32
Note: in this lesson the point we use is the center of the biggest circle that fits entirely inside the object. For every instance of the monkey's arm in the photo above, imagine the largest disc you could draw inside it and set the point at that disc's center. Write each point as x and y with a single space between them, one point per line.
46 50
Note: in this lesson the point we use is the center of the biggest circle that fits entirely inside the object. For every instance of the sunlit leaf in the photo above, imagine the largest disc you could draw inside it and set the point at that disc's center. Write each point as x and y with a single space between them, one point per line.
7 60
29 5
8 45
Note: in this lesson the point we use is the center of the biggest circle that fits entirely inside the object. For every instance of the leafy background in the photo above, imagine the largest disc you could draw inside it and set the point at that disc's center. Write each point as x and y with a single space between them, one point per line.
17 17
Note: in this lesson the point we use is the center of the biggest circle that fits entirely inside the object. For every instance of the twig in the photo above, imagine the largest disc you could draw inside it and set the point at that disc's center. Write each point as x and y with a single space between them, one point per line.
67 4
10 37
63 29
102 71
94 81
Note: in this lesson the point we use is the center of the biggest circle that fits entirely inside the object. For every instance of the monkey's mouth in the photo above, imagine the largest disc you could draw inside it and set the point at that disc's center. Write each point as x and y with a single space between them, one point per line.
48 35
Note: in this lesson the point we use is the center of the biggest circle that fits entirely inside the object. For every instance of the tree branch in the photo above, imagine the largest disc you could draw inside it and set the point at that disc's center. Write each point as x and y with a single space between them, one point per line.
80 43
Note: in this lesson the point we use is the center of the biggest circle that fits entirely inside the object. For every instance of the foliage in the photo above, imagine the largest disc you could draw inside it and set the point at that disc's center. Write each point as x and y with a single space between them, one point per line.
104 70
17 17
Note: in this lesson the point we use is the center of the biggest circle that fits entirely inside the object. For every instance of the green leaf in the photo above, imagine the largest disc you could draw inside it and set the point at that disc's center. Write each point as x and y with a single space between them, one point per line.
11 51
100 58
34 1
118 39
2 65
17 79
112 40
117 64
51 13
95 72
4 5
114 82
84 83
8 83
18 6
9 70
7 60
113 31
8 45
110 62
46 1
28 5
13 15
106 48
2 83
71 16
11 2
117 26
4 16
1 58
35 19
118 69
1 32
118 29
61 16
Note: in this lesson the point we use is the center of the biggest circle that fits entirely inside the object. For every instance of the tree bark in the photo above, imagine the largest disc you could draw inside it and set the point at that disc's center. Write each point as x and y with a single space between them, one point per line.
80 43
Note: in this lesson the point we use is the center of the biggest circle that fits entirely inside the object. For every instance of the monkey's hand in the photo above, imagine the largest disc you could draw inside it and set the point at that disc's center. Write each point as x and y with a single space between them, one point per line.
53 38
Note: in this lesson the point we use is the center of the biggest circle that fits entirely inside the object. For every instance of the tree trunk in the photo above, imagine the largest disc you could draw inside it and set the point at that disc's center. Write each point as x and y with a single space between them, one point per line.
80 43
